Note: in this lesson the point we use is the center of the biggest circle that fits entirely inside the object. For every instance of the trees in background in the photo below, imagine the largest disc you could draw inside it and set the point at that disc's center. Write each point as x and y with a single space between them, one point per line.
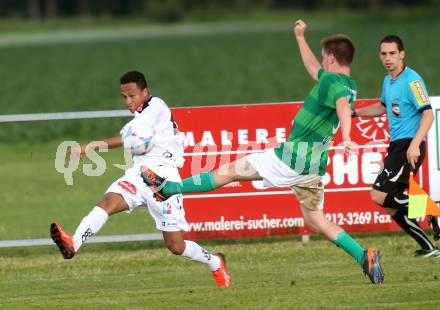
173 10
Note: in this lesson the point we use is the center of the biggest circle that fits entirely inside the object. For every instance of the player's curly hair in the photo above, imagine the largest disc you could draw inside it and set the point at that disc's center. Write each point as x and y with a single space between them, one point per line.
341 47
134 77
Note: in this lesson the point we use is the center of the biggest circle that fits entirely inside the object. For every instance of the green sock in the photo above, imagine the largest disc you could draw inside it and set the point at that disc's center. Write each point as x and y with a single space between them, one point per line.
346 242
203 182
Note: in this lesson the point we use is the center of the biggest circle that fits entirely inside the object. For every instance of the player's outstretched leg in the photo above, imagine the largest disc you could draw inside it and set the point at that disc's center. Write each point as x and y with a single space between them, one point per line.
63 240
87 228
164 189
368 259
193 251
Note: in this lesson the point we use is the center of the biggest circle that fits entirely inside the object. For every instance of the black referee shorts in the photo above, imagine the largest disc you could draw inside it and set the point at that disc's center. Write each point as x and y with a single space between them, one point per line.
395 173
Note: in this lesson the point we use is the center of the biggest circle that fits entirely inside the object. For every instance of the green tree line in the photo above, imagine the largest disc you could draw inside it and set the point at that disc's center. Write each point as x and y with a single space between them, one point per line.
175 10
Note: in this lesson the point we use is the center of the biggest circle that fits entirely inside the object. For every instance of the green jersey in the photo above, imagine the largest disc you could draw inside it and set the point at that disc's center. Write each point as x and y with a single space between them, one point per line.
315 124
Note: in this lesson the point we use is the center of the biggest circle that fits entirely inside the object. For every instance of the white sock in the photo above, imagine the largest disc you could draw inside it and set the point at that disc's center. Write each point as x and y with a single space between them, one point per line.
89 226
193 251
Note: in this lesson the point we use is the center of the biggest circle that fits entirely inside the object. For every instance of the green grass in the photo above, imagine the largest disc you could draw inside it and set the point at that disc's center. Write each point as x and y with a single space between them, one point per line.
34 194
187 66
271 273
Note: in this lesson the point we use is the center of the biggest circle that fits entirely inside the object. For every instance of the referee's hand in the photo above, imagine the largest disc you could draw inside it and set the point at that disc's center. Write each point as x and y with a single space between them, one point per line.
412 155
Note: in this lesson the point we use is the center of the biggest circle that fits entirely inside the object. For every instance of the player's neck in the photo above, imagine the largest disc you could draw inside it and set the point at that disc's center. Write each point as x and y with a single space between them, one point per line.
395 73
336 68
341 70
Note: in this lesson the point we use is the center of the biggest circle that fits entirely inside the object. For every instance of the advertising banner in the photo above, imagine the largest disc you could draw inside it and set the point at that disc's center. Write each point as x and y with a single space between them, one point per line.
215 136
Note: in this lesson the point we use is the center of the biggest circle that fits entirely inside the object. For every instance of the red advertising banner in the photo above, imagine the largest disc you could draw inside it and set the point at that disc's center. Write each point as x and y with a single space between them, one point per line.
214 136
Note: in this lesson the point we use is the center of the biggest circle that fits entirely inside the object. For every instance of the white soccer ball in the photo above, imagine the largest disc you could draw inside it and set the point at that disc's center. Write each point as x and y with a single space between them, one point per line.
138 138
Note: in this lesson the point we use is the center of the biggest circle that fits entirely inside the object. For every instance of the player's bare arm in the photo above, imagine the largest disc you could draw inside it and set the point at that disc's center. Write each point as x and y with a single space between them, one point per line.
413 152
344 114
110 143
309 59
373 110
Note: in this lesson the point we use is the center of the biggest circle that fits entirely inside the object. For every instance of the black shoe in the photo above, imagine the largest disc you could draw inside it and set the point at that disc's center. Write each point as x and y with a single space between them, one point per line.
427 253
155 183
372 266
435 227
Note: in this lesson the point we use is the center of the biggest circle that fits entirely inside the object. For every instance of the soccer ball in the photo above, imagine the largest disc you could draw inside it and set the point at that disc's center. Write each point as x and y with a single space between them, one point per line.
137 137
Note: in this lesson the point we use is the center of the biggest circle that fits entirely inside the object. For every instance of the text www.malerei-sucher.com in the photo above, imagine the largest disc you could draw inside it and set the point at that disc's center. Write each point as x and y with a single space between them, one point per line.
242 223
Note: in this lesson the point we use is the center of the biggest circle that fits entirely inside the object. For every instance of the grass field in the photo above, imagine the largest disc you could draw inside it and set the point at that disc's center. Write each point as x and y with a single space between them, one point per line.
187 65
34 194
271 273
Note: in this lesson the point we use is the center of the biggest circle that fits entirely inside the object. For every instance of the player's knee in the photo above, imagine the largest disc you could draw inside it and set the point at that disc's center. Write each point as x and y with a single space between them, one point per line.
105 204
313 224
377 197
113 203
176 248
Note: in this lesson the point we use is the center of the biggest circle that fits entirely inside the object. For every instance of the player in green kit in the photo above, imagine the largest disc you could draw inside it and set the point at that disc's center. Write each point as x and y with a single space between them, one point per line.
300 162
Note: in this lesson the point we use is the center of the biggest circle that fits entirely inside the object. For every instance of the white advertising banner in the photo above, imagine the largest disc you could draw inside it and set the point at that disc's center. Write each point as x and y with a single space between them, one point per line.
434 151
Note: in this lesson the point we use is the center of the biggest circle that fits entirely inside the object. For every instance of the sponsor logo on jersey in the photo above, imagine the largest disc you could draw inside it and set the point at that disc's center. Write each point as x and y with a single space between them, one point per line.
353 94
128 187
419 92
335 129
166 208
167 154
395 107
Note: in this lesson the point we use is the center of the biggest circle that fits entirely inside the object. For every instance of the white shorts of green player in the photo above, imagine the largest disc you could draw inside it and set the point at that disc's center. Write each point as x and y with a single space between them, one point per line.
268 167
275 173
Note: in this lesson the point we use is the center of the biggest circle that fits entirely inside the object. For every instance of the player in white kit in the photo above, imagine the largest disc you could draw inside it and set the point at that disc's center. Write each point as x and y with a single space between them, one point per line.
163 155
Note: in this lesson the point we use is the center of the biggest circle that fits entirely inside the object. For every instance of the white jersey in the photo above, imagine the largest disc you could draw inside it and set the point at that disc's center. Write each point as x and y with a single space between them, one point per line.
164 158
167 147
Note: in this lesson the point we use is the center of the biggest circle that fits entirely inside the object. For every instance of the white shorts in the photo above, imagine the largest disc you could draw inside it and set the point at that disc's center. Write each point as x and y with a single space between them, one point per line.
275 173
169 215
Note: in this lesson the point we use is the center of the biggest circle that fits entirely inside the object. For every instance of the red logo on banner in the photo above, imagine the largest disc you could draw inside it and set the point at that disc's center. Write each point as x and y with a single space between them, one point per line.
373 128
128 187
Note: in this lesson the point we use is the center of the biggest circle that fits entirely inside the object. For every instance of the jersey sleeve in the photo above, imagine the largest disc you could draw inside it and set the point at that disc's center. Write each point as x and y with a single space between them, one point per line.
335 91
418 94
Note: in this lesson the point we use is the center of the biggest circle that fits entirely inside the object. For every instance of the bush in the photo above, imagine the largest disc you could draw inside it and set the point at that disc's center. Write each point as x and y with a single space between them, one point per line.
165 10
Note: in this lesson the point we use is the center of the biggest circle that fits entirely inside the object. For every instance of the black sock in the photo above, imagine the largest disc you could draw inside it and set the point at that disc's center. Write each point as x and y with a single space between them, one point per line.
412 228
435 226
396 199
